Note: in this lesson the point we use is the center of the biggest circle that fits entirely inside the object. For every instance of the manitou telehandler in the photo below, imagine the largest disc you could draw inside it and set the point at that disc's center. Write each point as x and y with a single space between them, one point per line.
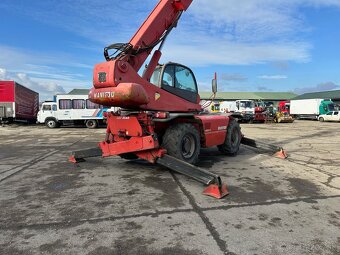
161 119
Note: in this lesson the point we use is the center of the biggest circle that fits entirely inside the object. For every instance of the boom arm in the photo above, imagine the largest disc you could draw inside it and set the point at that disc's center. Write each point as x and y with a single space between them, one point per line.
153 31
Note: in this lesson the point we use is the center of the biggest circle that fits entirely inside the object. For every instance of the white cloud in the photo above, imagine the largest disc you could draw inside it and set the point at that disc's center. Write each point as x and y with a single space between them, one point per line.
325 86
272 77
45 73
233 77
208 52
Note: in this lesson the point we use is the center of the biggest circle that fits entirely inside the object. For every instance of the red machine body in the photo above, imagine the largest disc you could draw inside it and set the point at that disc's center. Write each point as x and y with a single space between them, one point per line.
159 106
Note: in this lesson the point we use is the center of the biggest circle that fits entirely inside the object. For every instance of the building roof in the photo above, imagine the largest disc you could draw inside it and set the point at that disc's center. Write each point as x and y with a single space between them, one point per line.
332 94
249 95
79 92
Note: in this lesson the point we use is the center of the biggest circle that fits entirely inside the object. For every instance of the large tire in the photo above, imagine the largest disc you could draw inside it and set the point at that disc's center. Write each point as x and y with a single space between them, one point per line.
91 124
232 141
182 141
51 123
321 119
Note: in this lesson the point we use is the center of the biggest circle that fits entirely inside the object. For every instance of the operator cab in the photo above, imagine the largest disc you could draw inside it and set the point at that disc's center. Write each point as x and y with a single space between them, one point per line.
176 79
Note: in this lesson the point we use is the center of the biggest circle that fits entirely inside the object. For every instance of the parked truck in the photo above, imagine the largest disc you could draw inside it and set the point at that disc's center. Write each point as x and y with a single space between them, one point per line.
71 109
243 110
310 108
282 114
284 107
17 102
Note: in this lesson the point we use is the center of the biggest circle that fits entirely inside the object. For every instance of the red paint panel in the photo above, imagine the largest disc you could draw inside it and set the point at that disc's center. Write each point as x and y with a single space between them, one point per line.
124 95
123 124
6 91
26 102
132 145
215 128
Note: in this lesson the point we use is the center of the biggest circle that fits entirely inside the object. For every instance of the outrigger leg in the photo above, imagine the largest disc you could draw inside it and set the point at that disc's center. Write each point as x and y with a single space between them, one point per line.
276 151
215 187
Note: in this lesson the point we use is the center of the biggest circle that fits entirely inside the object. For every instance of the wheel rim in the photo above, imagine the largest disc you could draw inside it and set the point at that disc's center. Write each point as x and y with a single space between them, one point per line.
188 146
90 123
50 123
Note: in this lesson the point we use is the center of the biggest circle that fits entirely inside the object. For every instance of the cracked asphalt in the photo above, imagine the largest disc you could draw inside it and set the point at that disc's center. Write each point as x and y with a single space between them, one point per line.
116 206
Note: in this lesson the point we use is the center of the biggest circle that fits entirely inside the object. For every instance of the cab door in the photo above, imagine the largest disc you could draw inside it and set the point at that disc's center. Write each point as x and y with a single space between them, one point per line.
180 81
47 110
329 116
335 116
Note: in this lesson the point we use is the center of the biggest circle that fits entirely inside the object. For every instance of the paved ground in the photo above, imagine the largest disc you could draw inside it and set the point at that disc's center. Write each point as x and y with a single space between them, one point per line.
114 206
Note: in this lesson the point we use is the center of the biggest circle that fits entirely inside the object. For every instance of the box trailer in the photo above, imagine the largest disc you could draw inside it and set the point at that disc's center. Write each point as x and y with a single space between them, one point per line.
17 103
72 109
310 108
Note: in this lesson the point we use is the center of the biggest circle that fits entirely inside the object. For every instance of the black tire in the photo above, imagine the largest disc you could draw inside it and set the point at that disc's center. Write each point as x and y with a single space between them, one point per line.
128 156
182 141
321 119
91 124
232 141
51 123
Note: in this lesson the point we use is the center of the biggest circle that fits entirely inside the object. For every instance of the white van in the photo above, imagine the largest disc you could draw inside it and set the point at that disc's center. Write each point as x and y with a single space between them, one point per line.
71 109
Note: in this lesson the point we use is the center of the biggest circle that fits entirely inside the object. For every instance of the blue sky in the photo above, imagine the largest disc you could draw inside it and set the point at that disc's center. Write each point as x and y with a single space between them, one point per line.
254 45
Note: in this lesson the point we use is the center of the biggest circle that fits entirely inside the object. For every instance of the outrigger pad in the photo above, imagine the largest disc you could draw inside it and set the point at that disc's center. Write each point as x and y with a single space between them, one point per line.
214 191
281 154
73 159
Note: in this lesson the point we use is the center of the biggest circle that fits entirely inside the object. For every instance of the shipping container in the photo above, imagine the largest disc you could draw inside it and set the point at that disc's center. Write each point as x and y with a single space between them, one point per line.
17 103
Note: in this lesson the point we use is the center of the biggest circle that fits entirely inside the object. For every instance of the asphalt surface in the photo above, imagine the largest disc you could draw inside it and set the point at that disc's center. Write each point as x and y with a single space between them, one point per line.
116 206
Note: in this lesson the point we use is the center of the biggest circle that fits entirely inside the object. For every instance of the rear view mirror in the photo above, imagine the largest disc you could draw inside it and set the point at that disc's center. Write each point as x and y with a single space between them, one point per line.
214 84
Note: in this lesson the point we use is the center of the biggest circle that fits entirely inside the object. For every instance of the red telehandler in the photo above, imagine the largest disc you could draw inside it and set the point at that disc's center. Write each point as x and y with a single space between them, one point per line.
160 120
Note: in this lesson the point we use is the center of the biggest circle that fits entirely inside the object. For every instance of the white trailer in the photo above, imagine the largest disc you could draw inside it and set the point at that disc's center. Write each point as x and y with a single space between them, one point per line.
310 108
71 109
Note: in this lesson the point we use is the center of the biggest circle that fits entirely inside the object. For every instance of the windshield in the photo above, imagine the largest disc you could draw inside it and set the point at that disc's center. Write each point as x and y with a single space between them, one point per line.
331 107
155 76
247 104
259 104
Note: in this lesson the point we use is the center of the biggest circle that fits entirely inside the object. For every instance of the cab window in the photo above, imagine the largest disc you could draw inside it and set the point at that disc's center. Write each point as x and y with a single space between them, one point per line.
168 75
184 79
155 76
54 107
179 80
46 107
336 113
330 113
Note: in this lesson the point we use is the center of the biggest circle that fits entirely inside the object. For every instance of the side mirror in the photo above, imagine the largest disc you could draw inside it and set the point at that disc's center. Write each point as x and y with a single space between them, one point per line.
214 84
